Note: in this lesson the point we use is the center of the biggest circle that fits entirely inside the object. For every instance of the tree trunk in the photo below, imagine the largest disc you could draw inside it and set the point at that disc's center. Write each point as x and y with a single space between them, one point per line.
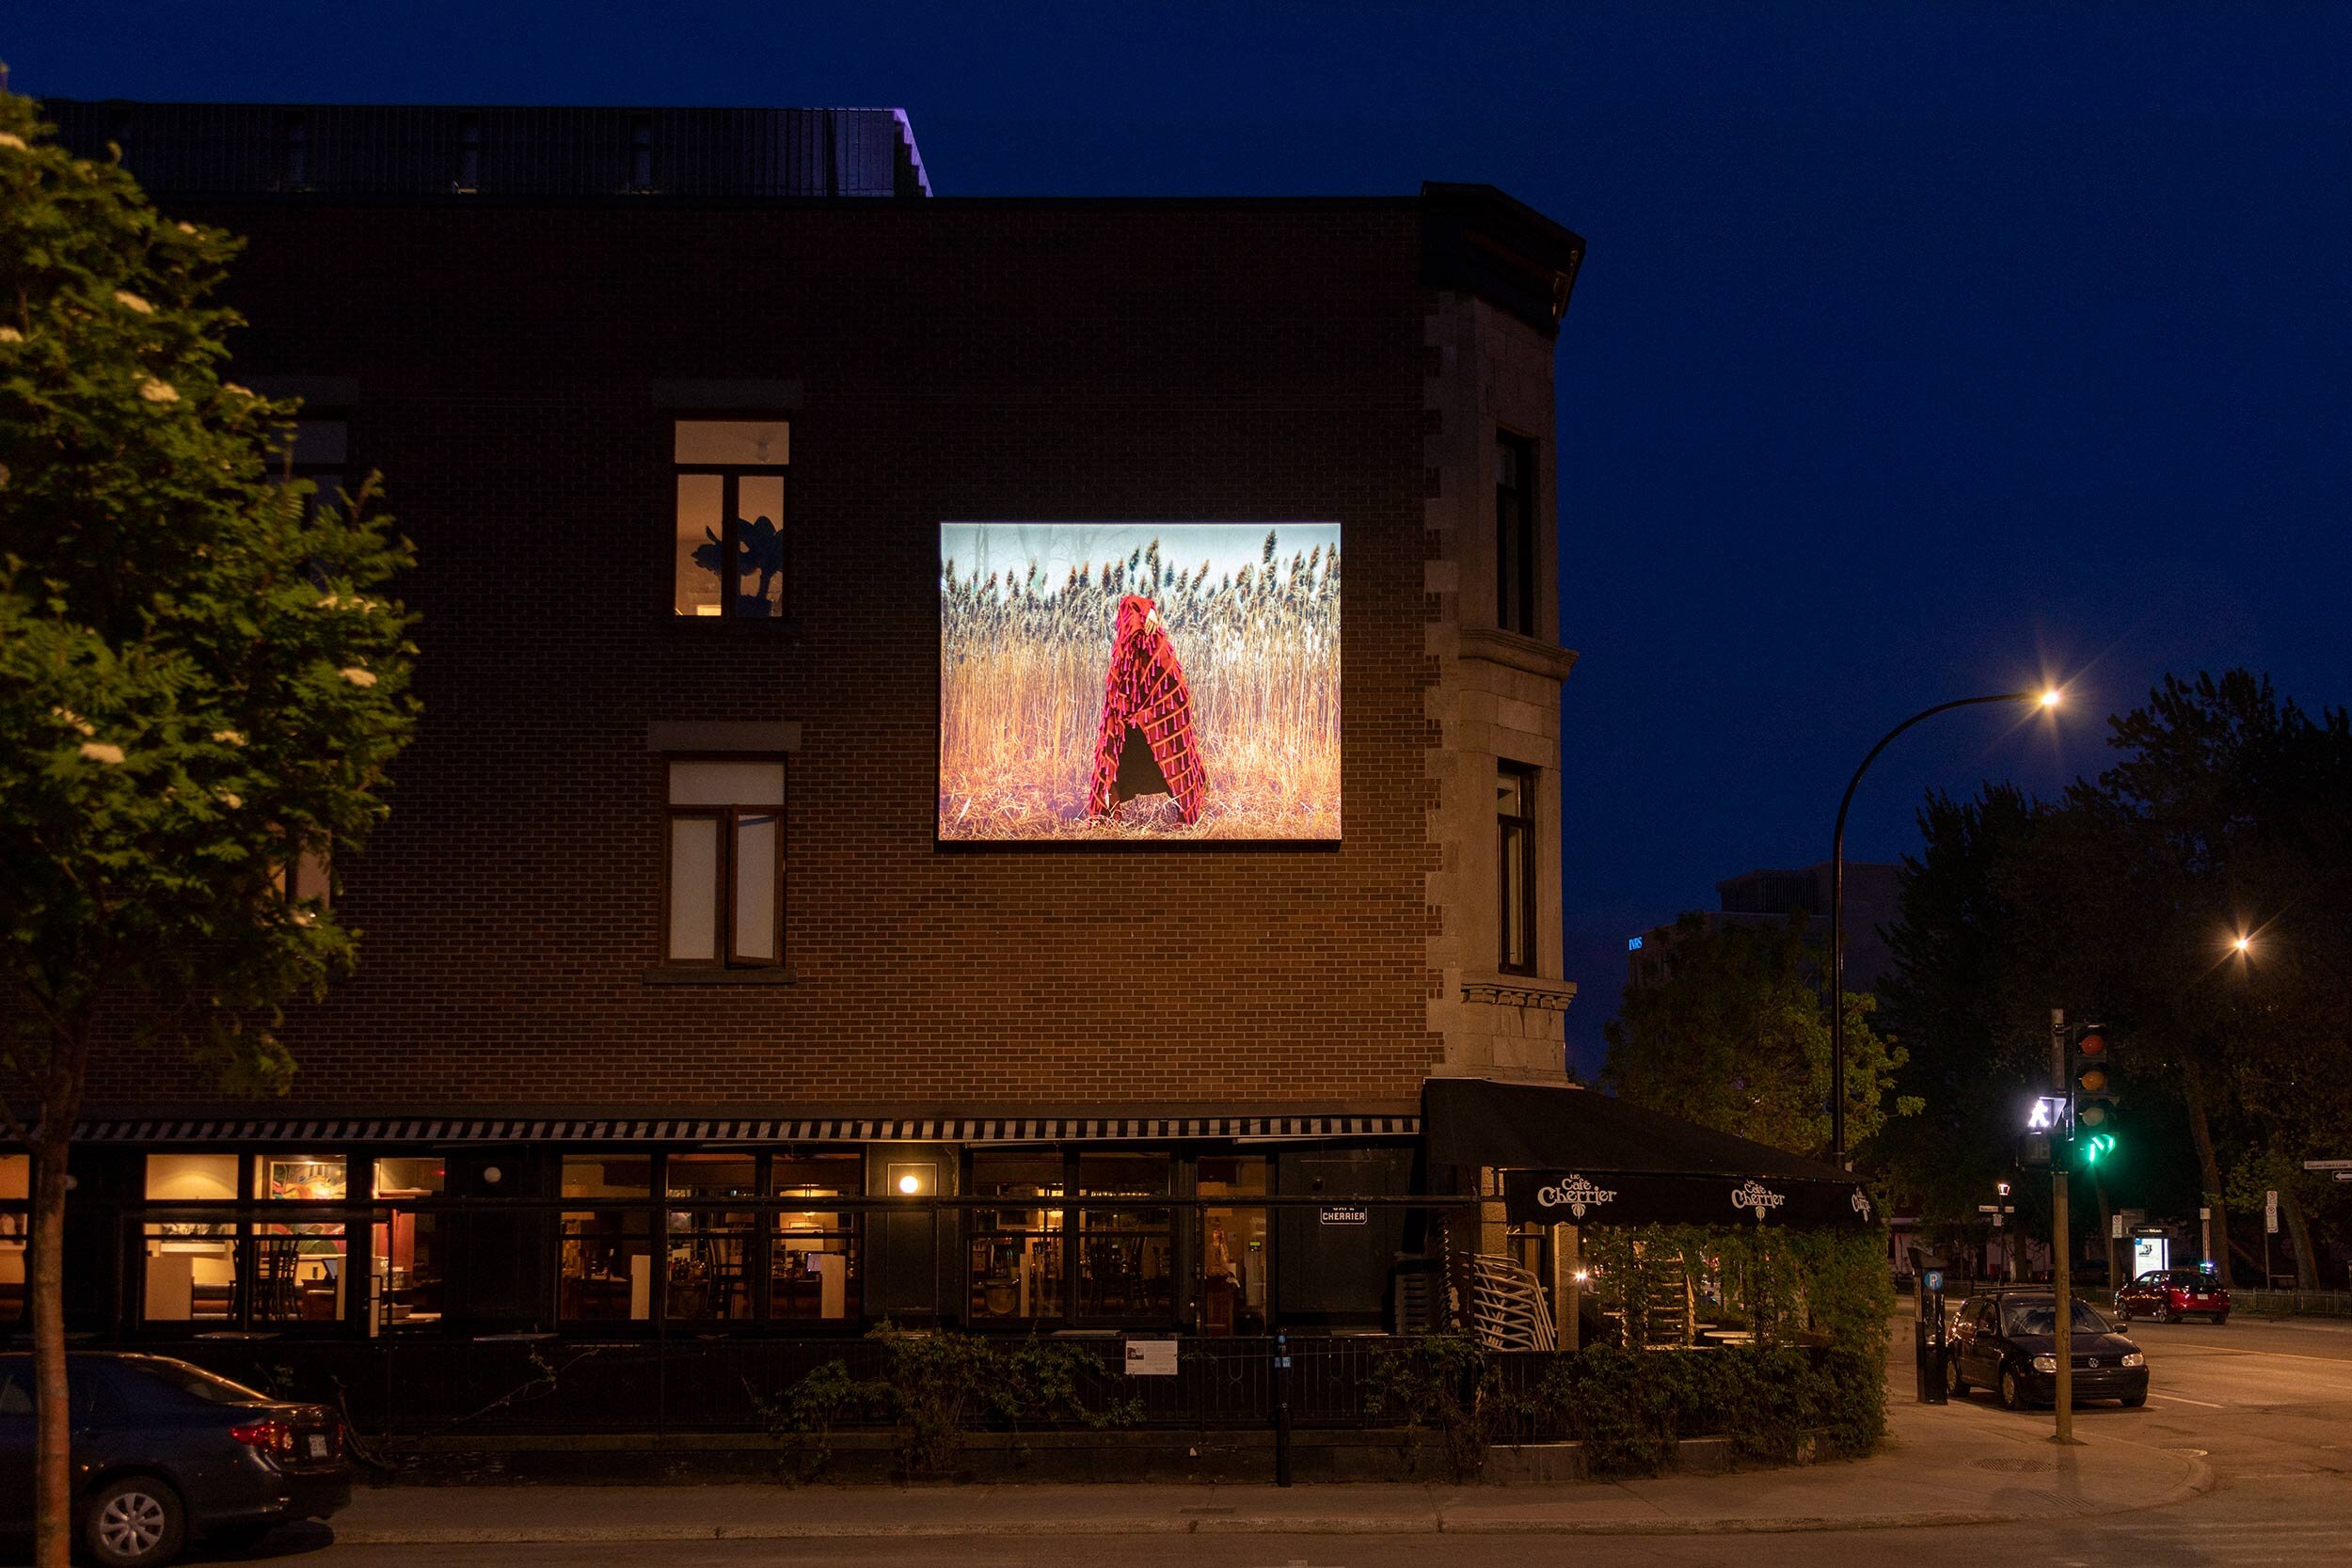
2305 1265
2200 1133
53 1465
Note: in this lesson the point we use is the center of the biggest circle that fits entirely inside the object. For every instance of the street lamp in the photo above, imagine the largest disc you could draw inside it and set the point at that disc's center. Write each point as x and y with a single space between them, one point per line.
2046 700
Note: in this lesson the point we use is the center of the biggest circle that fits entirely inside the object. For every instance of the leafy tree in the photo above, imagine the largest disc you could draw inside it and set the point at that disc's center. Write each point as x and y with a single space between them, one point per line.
1736 1038
2222 815
197 683
1975 1053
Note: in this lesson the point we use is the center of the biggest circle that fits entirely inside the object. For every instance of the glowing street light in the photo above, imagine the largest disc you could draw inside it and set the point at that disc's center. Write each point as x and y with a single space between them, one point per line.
2047 700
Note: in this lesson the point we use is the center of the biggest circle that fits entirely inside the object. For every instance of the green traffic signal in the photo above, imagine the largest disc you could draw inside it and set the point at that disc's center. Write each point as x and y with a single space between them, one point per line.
2091 1148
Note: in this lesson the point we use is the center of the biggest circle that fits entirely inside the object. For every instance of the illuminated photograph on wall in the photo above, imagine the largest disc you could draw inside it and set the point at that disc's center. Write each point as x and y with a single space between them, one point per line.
1138 681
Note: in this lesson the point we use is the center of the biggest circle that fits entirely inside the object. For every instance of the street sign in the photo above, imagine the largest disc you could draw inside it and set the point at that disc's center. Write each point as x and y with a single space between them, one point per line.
2344 1176
2328 1164
2270 1212
2115 1226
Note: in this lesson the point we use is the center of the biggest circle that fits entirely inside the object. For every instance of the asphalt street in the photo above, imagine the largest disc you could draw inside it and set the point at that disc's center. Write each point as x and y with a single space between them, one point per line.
2269 1406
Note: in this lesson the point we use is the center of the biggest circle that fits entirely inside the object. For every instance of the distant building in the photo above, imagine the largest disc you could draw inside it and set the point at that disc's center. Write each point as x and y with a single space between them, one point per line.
1770 897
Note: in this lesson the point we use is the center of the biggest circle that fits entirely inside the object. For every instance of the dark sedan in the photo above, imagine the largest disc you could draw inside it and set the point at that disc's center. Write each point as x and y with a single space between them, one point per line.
165 1451
2007 1342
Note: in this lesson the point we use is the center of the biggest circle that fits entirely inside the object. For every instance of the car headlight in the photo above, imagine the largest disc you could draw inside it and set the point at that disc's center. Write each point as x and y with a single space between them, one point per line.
2133 1358
2046 1363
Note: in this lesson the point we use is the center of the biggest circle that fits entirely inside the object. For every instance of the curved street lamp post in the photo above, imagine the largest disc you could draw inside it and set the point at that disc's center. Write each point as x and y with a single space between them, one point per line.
1837 905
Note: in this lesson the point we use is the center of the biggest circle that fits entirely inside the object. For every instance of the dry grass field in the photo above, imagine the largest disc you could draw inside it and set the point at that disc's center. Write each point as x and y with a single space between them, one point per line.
1021 667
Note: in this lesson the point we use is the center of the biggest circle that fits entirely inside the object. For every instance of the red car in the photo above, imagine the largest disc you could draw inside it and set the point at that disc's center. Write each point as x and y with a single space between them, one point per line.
2162 1295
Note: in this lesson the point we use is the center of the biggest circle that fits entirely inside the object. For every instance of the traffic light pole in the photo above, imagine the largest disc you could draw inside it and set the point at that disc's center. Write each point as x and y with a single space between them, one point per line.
2061 1246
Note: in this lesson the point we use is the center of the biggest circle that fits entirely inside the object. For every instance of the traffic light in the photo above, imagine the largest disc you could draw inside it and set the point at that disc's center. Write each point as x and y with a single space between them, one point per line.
2090 1091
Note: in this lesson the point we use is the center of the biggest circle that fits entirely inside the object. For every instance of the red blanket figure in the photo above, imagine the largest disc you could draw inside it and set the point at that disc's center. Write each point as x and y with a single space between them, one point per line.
1146 745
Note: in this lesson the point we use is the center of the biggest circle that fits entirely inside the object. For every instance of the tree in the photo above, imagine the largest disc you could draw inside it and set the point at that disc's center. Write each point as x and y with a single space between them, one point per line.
1736 1038
1975 1053
198 685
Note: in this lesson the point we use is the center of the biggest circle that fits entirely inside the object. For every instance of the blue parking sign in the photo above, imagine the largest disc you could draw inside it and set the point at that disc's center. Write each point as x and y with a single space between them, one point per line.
1936 1279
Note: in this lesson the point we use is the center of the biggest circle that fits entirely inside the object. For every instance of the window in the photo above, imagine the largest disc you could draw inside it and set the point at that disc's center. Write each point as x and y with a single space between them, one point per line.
191 1254
606 1274
16 1191
305 879
708 1270
729 543
813 1265
1124 1258
298 1264
410 1248
726 864
1237 1244
1016 1269
1516 554
1515 867
319 452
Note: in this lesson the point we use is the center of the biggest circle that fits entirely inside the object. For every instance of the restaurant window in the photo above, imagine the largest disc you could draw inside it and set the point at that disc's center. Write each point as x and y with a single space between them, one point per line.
410 1248
1016 1256
607 1268
725 869
707 1268
815 1270
1515 534
190 1263
1515 867
1237 1244
1125 1259
16 1192
298 1272
727 560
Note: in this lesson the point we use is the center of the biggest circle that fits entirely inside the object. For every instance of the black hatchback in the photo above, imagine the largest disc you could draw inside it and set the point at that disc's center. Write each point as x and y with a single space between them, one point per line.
165 1451
2007 1342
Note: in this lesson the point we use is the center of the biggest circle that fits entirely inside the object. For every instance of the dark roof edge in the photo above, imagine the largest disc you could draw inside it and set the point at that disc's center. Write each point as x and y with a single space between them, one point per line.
1480 240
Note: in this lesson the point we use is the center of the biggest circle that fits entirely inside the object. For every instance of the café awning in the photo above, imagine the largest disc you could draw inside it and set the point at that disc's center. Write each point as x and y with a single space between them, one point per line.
1581 1157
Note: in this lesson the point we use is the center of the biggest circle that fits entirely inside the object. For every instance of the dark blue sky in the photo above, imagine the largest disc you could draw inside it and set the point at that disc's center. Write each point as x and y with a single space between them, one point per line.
1921 350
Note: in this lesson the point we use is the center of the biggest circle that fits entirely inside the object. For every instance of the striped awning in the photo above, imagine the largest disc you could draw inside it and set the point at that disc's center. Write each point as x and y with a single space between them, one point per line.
422 1130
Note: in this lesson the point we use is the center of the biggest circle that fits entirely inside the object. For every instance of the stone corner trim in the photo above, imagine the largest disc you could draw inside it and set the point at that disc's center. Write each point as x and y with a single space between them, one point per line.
1514 652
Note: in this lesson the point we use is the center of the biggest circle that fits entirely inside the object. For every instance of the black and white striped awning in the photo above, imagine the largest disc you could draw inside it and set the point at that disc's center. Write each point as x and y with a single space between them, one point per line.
420 1129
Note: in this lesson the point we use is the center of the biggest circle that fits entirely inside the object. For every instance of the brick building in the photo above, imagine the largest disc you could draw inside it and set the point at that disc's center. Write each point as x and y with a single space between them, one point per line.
676 1009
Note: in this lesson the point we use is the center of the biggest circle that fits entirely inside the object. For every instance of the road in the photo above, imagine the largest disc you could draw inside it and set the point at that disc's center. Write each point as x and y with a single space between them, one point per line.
2269 1405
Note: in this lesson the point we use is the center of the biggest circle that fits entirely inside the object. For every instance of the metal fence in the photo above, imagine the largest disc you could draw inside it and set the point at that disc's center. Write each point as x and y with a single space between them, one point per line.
511 1386
2322 1304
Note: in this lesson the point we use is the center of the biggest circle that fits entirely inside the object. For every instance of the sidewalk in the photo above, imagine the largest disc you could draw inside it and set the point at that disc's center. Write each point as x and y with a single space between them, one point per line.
1948 1465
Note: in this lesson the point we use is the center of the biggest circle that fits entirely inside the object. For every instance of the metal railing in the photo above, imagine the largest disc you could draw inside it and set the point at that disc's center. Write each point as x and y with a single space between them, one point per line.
2298 1304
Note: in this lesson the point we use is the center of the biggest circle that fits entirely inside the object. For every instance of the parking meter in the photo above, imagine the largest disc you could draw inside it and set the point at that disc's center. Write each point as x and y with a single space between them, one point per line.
1928 1347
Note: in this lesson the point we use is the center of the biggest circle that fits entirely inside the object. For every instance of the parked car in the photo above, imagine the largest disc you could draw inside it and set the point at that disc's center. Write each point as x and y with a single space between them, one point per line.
2006 1341
2162 1295
164 1452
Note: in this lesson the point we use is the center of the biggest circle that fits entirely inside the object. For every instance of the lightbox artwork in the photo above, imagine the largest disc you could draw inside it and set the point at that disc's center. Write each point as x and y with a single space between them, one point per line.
1138 681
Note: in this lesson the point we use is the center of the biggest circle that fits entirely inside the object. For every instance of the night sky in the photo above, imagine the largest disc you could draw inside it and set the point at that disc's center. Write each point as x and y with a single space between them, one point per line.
1920 351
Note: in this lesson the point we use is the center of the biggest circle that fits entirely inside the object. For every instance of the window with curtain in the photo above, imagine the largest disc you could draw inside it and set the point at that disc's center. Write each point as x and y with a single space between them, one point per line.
726 866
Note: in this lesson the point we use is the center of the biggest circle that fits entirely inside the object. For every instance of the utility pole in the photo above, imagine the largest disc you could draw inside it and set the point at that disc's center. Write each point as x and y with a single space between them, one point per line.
2061 1274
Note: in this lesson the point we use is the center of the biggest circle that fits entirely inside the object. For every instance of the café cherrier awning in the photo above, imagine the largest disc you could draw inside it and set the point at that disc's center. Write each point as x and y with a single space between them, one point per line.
1581 1157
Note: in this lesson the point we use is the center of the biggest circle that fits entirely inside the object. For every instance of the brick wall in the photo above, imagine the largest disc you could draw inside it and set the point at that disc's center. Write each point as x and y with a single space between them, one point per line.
1018 361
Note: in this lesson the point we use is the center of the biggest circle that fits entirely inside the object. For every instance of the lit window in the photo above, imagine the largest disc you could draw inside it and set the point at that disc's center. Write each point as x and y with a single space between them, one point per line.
725 862
728 540
606 1273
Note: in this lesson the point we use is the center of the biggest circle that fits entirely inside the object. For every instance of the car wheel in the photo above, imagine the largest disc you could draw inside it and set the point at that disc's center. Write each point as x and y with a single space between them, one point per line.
2012 1393
2160 1312
2220 1317
1955 1386
2132 1402
135 1522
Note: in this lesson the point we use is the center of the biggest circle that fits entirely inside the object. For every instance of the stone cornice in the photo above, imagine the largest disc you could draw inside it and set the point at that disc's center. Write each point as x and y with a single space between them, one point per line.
1515 652
1520 990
